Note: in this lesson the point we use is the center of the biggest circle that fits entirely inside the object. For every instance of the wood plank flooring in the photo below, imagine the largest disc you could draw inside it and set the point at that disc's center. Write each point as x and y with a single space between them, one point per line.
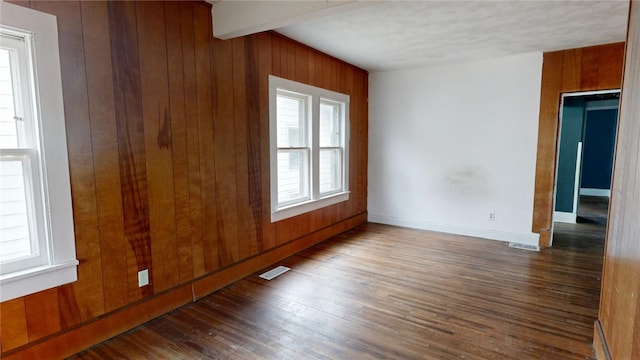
384 292
589 232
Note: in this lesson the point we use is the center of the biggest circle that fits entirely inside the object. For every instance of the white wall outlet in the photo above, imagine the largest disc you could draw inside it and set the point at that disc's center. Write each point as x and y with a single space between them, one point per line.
143 277
492 216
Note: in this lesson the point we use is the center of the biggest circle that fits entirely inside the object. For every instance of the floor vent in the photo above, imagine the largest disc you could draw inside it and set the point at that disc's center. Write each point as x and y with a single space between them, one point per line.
274 272
524 246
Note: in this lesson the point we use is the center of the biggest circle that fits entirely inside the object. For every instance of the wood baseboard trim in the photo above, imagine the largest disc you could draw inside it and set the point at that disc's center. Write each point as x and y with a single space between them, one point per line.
76 339
545 238
600 342
210 283
65 344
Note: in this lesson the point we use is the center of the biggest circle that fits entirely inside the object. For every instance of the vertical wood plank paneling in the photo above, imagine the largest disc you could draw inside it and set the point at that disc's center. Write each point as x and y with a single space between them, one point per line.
311 68
609 69
565 71
261 58
83 299
619 303
225 151
131 142
201 26
42 310
156 116
13 326
572 70
589 70
193 139
275 55
25 3
179 139
247 244
169 155
290 59
105 153
362 97
301 63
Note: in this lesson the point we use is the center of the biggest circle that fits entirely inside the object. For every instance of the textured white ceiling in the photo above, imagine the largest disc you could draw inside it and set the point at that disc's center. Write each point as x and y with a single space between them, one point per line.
405 34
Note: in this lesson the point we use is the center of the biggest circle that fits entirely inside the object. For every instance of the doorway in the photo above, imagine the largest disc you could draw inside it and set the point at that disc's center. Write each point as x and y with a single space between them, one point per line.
585 154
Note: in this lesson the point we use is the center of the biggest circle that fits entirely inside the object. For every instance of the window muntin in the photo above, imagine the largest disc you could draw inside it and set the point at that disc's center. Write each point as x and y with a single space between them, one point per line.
309 152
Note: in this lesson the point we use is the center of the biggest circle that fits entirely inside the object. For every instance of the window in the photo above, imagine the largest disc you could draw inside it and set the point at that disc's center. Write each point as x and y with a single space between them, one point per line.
37 245
309 136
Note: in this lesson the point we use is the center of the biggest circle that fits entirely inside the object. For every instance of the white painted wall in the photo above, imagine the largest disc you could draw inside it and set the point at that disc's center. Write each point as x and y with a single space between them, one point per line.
452 143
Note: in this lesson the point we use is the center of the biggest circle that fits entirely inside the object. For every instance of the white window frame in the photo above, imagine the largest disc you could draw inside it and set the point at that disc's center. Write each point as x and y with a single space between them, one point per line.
316 200
51 178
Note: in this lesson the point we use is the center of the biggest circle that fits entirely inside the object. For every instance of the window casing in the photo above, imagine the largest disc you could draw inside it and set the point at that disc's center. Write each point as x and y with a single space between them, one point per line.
309 137
37 243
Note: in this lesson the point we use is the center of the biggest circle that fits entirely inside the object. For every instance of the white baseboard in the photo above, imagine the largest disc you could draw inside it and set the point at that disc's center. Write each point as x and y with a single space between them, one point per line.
564 217
522 238
595 192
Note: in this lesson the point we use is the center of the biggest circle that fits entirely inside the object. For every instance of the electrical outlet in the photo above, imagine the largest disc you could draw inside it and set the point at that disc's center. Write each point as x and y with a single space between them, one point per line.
492 216
143 277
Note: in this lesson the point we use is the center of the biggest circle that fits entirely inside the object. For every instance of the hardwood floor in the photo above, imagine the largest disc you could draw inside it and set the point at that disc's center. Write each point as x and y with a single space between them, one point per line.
588 234
384 292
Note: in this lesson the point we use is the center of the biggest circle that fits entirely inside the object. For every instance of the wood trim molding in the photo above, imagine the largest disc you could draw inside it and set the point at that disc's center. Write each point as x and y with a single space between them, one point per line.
600 343
583 69
62 345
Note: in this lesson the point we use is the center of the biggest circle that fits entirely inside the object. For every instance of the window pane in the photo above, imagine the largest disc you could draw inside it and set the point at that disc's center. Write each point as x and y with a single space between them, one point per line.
329 124
330 170
293 175
291 121
14 218
8 124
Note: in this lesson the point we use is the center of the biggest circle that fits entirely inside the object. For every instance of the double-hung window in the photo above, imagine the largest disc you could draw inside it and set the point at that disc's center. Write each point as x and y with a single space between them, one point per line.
309 137
37 245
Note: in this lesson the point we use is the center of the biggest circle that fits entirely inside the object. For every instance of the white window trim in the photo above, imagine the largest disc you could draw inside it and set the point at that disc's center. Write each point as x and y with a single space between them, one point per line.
62 267
316 94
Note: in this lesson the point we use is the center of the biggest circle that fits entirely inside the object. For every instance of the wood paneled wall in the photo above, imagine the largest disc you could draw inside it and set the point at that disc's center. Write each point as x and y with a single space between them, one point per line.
167 130
583 69
618 322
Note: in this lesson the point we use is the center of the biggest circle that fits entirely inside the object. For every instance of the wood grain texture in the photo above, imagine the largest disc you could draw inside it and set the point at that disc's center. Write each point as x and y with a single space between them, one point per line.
246 226
619 303
193 146
179 139
103 328
261 58
585 69
156 114
13 324
100 329
42 313
105 155
225 150
83 299
383 292
131 143
170 165
203 59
